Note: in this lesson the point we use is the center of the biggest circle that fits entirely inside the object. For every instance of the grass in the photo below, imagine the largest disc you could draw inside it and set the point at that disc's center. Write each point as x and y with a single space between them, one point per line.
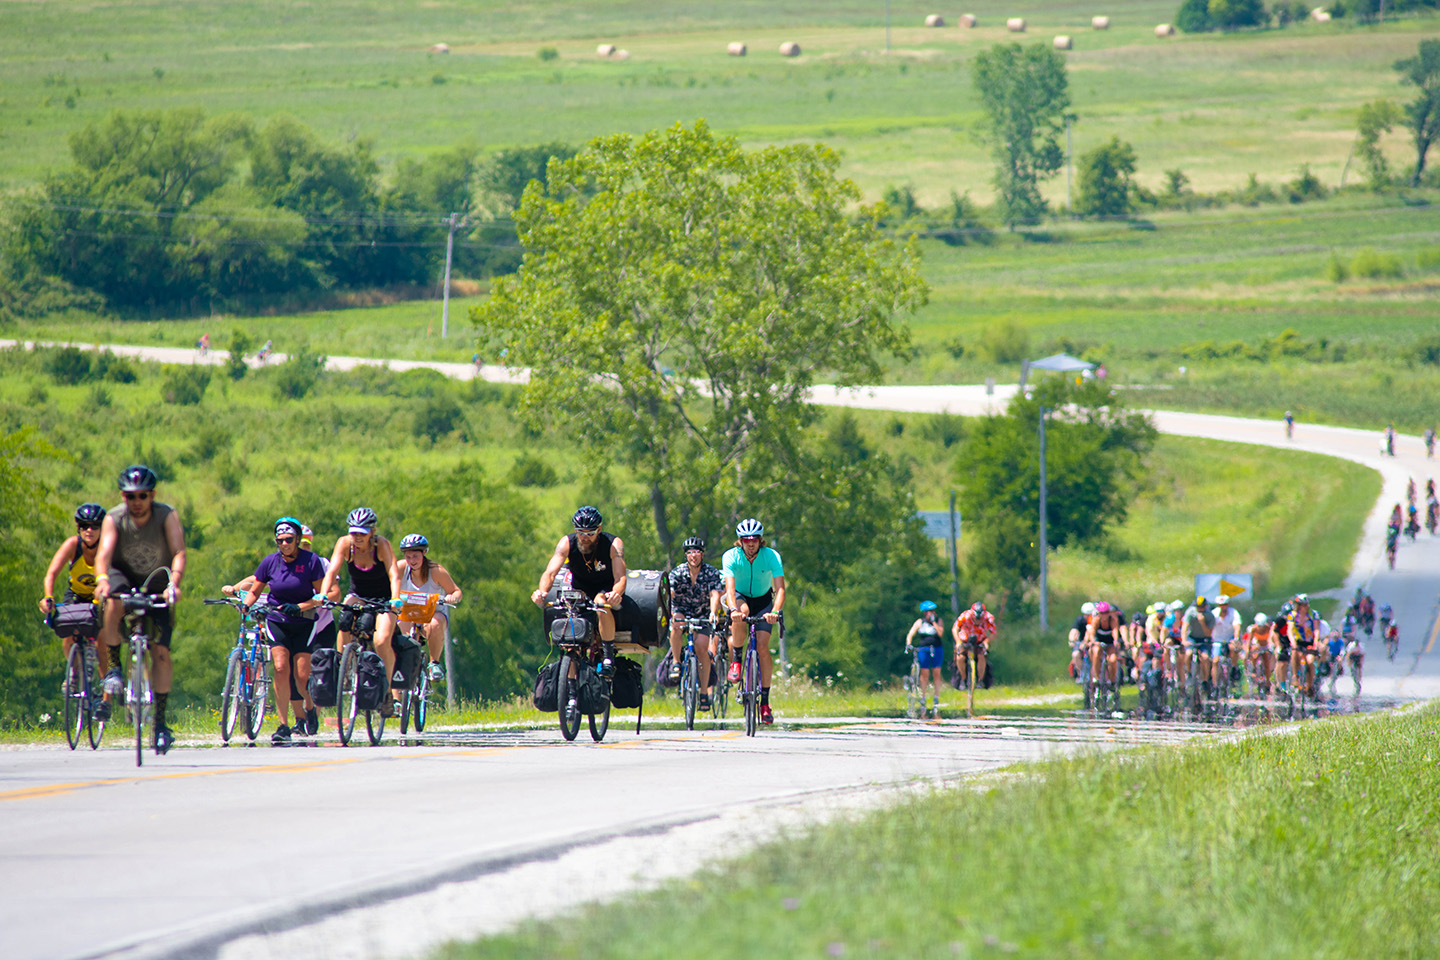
1313 844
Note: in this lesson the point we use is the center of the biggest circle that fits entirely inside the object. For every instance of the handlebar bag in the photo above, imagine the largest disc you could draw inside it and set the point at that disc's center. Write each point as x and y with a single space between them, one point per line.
570 630
76 620
547 687
324 676
370 686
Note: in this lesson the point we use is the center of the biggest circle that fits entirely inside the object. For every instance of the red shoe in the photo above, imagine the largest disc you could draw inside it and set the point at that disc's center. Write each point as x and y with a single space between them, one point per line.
735 672
766 717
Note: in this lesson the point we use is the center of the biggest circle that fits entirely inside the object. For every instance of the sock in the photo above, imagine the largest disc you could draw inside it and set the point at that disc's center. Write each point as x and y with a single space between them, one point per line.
114 657
937 703
160 699
765 696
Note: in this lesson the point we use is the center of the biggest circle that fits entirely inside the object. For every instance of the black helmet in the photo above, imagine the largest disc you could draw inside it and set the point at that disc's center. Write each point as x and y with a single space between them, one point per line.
694 543
89 513
137 477
587 518
362 520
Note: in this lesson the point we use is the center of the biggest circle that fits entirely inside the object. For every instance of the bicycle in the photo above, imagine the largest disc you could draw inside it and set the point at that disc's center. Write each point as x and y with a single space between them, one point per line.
969 670
413 617
690 668
1102 693
1219 700
1151 682
247 672
577 639
914 696
80 698
750 673
720 677
1392 642
347 704
139 696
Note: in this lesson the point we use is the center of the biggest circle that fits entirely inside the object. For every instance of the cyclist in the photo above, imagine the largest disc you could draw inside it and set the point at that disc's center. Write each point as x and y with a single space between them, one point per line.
294 575
694 593
1078 630
78 554
754 578
1386 615
1198 622
1397 520
203 344
1392 633
1101 637
595 562
1224 638
1151 648
929 651
976 628
1289 425
1390 439
419 574
1305 631
139 539
1430 442
1260 643
369 560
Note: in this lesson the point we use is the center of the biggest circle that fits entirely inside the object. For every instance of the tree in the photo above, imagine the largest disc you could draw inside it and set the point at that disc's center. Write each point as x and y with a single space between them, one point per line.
1105 180
1422 114
1194 17
1093 450
1375 119
1025 93
679 296
1234 14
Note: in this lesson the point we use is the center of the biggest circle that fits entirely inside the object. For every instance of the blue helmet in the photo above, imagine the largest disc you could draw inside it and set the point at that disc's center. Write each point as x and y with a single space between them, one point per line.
414 541
927 605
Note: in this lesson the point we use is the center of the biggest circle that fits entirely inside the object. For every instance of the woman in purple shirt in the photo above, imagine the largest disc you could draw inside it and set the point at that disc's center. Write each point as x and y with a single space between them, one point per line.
294 577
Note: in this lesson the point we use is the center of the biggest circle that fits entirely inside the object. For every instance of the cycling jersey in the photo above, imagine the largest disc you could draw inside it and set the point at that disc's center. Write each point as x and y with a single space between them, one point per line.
971 627
1303 629
927 633
753 578
290 581
82 575
1226 628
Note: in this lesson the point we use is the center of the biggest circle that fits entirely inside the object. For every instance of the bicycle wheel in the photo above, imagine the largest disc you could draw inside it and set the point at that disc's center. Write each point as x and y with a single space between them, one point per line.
139 698
375 724
422 702
346 708
259 688
720 673
77 702
750 691
599 723
971 668
689 687
231 696
565 696
914 700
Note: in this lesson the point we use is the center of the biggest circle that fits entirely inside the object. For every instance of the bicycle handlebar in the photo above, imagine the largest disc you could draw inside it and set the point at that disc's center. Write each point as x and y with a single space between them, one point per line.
358 603
141 602
779 617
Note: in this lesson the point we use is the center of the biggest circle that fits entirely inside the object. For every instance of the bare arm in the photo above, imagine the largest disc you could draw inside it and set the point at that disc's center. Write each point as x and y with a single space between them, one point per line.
231 589
617 563
330 587
175 538
778 585
67 549
547 579
103 555
386 555
446 582
914 629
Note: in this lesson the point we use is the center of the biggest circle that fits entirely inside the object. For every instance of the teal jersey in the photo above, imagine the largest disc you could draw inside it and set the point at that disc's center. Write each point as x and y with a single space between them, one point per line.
752 579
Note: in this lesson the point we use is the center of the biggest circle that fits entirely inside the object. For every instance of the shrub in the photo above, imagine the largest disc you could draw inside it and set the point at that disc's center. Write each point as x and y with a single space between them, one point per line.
946 429
1194 17
184 386
1306 186
1428 260
548 53
1335 269
298 375
1427 350
210 442
954 346
1006 342
1374 265
229 475
38 396
240 344
68 365
902 202
531 471
108 366
437 417
99 396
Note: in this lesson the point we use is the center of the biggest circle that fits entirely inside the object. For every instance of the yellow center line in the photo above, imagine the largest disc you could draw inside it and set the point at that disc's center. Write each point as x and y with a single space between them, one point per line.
1434 632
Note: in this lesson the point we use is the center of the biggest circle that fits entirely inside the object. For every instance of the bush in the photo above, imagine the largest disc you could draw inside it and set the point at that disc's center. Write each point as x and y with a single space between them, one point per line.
1194 17
229 475
946 429
531 471
548 53
68 365
437 417
108 366
1428 260
99 396
1335 269
184 386
298 375
1306 186
240 344
1374 265
1006 342
210 442
954 346
1427 350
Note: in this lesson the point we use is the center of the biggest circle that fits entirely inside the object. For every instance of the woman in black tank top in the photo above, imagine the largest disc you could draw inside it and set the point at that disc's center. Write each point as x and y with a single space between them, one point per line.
375 580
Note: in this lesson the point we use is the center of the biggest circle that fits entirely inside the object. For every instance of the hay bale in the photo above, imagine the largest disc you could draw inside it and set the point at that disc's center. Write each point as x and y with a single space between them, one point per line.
440 48
967 20
1063 42
1015 24
1165 30
621 55
736 49
934 20
605 50
789 49
1320 15
1100 23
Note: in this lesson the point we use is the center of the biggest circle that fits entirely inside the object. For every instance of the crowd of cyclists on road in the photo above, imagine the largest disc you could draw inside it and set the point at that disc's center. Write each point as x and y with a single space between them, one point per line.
1407 520
139 545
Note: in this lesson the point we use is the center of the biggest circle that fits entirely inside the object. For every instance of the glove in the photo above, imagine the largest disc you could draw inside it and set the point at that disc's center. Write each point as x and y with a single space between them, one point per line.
290 609
396 604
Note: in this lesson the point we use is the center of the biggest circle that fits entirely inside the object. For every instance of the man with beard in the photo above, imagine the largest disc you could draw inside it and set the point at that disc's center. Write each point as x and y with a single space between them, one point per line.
596 564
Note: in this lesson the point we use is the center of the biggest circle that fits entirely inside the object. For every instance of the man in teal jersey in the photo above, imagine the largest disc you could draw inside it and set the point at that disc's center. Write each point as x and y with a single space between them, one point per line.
754 586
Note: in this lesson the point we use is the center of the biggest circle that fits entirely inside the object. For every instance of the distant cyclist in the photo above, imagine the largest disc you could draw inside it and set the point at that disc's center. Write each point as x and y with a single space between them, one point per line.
974 629
927 639
1198 623
1104 638
1261 643
1078 629
1224 638
1430 442
754 578
1289 425
419 574
694 595
294 576
1306 631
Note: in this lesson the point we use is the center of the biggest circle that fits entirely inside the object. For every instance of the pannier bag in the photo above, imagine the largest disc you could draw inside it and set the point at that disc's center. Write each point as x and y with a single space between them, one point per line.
324 673
407 662
627 688
662 672
75 620
594 695
546 687
370 686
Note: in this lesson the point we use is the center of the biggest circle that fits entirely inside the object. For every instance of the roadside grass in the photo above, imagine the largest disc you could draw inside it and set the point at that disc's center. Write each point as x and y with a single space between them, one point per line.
1315 843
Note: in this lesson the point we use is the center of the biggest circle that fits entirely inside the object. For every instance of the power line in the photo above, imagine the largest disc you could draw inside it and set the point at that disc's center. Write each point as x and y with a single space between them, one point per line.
177 213
238 242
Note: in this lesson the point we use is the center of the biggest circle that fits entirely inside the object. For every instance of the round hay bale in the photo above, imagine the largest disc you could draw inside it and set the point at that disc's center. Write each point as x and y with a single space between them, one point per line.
967 20
605 50
1063 42
934 20
1100 23
440 48
1015 24
1165 30
736 49
622 55
1320 15
789 49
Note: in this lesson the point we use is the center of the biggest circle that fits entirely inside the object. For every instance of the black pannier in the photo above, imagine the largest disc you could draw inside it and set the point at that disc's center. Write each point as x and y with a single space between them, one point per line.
627 688
370 686
546 687
324 677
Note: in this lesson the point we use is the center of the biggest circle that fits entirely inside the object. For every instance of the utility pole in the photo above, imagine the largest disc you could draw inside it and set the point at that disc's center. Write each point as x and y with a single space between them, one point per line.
954 558
887 26
445 303
1044 594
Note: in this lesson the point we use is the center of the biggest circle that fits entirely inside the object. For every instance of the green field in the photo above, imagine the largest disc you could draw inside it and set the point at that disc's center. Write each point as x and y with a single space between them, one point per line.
1317 843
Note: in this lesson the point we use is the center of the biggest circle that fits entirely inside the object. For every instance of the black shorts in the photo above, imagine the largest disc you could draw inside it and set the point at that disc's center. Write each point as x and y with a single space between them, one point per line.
163 621
294 637
759 606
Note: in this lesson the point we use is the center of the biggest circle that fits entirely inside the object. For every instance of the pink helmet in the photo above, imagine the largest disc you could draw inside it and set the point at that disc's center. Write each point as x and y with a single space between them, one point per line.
1102 607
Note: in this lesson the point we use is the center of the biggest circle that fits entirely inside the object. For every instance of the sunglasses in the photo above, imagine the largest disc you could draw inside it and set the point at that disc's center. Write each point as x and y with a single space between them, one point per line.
586 533
140 495
749 539
284 540
87 526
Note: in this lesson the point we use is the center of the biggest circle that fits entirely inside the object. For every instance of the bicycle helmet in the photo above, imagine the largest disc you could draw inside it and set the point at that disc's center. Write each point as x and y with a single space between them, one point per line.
1261 619
927 605
694 543
288 525
977 608
1222 600
587 518
362 520
414 541
1176 605
89 513
1102 607
1302 600
749 527
307 536
1087 609
137 477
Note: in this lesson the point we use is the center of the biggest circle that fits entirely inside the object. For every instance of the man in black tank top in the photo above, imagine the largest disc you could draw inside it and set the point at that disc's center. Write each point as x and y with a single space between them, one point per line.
596 564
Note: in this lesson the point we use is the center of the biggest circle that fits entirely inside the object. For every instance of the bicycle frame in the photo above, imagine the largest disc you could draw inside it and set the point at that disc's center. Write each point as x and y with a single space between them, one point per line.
245 676
690 667
576 651
750 672
139 696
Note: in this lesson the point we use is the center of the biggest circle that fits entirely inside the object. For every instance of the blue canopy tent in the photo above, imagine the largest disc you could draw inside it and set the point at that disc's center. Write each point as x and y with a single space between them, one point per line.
1060 363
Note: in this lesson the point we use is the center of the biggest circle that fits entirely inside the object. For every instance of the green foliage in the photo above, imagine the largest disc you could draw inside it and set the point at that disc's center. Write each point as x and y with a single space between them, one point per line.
1306 186
184 385
1005 341
510 171
1025 94
946 429
1106 179
1422 115
902 203
1428 260
68 365
531 471
437 417
1336 270
298 375
1194 17
1234 14
547 54
240 345
1371 264
1094 451
1427 350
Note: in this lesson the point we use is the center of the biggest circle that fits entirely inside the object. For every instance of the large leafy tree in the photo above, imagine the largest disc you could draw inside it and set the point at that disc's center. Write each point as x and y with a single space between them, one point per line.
1105 176
1422 115
1025 94
1093 450
678 298
1375 119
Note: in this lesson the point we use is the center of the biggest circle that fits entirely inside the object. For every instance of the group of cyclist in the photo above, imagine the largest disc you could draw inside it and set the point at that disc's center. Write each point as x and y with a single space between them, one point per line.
1407 520
1284 653
972 631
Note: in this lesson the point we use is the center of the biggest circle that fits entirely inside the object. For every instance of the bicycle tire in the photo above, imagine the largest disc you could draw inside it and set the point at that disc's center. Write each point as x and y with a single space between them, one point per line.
346 707
914 699
750 679
690 687
231 697
257 700
139 696
375 725
565 691
599 726
422 702
972 667
720 673
77 700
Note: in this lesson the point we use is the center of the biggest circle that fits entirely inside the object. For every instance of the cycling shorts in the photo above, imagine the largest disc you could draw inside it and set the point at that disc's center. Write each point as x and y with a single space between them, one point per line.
1104 639
1198 644
294 637
759 606
1219 648
930 656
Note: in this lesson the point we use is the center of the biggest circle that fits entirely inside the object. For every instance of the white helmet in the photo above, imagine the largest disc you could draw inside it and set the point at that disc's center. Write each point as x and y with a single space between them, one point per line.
1261 619
1087 609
